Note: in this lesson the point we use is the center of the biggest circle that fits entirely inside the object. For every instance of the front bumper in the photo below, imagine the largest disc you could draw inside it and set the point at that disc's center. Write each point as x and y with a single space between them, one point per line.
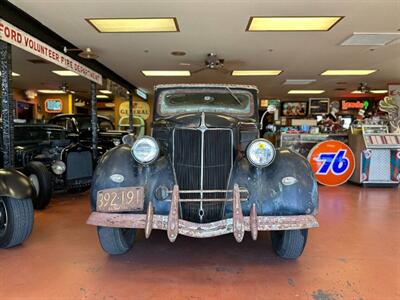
175 226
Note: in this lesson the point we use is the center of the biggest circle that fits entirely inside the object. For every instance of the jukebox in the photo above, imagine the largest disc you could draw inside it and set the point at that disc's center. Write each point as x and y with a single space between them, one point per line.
377 154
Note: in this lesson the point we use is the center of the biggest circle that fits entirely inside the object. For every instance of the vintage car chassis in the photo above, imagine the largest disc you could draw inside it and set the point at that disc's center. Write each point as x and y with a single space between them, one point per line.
174 226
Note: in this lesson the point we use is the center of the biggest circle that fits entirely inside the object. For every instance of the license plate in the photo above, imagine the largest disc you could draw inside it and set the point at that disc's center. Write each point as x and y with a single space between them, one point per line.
120 199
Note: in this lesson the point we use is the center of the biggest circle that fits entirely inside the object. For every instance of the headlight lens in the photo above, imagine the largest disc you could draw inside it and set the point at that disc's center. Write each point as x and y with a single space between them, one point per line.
58 167
260 153
145 150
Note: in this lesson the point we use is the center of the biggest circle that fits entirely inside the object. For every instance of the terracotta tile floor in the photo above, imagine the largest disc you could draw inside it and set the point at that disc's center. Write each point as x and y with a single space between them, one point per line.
355 254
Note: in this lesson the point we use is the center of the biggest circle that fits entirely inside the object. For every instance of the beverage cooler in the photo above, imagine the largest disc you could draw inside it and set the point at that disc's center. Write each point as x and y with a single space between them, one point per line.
377 154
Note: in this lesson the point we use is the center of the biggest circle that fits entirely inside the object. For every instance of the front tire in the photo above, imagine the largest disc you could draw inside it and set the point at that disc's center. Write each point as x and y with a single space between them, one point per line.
116 241
16 221
41 180
289 244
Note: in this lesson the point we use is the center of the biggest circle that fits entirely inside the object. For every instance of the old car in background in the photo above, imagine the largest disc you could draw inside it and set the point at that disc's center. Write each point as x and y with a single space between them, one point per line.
205 172
79 129
46 155
16 209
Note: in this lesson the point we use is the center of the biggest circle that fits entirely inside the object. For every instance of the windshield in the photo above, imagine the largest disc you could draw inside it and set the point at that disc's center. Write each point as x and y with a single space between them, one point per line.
38 134
84 124
229 101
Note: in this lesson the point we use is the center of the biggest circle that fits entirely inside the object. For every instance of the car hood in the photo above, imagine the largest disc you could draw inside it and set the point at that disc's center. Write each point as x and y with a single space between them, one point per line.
211 120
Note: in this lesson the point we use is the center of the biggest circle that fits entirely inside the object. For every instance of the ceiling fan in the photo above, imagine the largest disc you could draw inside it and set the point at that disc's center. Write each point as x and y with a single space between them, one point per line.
364 88
212 62
87 53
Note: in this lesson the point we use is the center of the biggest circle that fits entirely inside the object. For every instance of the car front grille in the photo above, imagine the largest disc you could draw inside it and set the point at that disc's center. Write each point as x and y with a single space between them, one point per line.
79 165
202 161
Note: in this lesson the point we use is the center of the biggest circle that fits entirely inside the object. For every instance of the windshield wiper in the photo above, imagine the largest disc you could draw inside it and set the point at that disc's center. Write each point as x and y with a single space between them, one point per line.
233 95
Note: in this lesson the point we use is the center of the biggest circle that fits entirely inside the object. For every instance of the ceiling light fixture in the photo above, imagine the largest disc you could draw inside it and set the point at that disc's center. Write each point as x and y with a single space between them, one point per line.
64 73
379 91
151 73
296 23
105 25
51 91
304 92
101 96
13 74
256 72
347 72
105 92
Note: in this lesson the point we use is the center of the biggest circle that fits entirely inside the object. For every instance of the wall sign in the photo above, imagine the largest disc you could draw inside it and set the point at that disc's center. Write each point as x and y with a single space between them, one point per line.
319 106
347 105
140 109
53 106
294 109
332 162
15 36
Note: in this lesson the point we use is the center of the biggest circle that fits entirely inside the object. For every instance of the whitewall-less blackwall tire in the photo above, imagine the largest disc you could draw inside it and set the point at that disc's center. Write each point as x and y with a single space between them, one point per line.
289 244
116 241
16 221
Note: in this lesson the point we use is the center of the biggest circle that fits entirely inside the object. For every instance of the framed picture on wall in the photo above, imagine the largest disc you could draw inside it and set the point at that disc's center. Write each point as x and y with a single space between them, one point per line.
318 106
294 109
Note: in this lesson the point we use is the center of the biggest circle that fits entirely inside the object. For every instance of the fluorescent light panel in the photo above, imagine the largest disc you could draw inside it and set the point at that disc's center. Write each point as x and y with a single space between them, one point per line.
168 24
304 92
64 73
101 96
51 91
372 91
256 72
296 23
105 92
347 72
13 74
150 73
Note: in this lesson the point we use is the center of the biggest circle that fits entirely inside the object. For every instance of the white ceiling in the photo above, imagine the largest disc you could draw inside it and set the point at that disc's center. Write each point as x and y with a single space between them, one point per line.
219 26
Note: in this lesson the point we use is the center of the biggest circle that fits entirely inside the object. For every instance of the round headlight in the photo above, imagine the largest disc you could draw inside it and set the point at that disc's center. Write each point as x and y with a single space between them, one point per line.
260 153
145 150
58 167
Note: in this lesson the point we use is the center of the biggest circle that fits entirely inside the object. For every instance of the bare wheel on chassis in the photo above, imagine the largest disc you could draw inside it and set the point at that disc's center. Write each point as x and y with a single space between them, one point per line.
289 244
16 221
116 240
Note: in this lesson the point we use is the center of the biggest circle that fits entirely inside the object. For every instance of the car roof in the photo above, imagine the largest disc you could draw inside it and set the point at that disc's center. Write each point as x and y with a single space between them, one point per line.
78 115
206 85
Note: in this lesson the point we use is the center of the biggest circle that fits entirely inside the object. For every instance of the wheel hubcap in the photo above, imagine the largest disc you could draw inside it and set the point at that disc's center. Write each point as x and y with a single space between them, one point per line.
3 218
35 182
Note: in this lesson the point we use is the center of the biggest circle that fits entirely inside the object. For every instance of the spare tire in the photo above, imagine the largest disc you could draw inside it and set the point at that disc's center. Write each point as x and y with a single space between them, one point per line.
41 179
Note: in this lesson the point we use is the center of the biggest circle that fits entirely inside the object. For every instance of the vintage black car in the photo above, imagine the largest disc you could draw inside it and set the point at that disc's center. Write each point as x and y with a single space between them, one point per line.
205 172
46 155
16 209
79 129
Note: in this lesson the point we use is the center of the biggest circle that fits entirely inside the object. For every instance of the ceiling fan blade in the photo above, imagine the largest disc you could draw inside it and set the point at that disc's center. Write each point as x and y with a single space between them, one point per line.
225 71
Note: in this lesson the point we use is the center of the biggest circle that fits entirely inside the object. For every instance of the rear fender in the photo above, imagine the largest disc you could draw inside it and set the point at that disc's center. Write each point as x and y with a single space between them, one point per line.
119 160
286 187
14 184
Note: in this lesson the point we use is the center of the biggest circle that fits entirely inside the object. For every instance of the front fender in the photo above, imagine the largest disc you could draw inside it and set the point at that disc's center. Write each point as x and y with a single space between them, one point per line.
119 160
286 187
14 184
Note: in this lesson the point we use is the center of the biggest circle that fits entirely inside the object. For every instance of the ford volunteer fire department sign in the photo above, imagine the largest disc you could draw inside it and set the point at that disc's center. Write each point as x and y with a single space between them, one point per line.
332 162
15 36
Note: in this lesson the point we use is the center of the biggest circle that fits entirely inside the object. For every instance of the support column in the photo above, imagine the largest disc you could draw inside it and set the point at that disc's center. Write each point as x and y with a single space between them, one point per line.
7 105
131 112
93 113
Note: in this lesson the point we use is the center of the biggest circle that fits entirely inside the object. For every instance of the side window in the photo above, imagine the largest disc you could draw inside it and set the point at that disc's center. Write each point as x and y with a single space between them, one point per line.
105 125
59 122
69 125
